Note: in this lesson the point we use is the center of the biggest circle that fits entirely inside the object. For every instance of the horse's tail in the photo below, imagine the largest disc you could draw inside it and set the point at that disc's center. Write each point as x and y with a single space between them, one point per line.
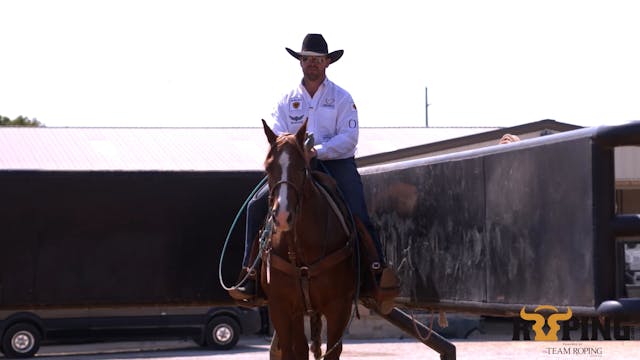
315 325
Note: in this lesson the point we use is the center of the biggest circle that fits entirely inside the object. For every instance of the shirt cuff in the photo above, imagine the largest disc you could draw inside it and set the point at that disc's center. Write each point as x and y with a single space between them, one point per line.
320 152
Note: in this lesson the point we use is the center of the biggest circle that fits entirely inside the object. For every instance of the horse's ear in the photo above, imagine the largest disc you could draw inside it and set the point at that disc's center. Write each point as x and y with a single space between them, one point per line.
302 133
271 136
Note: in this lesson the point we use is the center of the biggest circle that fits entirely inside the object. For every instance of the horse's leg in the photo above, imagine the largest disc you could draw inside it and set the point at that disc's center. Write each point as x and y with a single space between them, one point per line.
281 344
275 353
285 344
291 340
298 337
315 324
337 316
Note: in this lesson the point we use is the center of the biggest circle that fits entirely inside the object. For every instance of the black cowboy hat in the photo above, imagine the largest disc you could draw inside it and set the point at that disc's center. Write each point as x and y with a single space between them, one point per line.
315 45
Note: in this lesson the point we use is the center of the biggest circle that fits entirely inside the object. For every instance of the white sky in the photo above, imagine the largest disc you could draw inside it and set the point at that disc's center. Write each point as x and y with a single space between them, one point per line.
223 63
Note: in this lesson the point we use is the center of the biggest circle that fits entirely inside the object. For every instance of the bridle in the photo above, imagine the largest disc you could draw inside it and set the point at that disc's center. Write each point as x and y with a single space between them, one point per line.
290 184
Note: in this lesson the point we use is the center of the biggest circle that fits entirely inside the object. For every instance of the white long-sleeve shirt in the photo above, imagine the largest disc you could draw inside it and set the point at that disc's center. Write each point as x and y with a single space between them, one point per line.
333 119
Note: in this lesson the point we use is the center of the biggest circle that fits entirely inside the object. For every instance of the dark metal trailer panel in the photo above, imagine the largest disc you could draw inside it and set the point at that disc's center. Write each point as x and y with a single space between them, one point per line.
104 255
109 238
491 230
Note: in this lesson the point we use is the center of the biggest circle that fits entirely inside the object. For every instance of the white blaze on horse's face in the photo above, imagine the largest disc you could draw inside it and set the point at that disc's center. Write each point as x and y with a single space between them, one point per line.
281 205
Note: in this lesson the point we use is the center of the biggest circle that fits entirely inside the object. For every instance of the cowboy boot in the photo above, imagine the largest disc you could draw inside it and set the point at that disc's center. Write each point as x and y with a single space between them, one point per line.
382 284
388 290
246 290
369 267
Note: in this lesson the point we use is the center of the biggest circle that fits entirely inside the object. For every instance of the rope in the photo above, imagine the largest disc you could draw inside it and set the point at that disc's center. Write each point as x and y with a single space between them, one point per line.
419 336
226 241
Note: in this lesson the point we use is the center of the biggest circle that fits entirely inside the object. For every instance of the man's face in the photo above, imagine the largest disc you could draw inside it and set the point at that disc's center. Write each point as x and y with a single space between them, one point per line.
313 67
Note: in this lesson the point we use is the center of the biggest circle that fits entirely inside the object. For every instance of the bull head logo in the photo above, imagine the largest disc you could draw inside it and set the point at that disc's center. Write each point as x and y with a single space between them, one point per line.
540 321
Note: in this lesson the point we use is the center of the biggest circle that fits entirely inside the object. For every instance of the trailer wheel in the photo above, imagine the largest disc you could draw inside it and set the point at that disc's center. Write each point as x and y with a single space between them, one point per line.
222 333
21 340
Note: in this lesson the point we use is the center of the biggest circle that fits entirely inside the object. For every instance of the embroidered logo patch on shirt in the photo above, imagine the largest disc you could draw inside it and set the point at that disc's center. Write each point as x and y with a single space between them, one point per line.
296 110
329 102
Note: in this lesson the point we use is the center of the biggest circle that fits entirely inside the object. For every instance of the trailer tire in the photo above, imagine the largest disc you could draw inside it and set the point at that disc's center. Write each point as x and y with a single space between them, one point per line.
21 340
222 333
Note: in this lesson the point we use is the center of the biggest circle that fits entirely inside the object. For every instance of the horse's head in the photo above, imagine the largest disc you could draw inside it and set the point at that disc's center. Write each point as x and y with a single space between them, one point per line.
287 170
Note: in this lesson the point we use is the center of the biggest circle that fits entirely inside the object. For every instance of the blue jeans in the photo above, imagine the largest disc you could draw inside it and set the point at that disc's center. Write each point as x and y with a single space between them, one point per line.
345 172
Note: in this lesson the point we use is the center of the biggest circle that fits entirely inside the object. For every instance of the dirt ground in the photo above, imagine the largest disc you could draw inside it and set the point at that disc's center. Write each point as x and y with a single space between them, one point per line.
256 347
492 340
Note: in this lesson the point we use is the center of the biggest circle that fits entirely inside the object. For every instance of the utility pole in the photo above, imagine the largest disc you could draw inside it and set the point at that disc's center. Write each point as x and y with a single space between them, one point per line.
426 108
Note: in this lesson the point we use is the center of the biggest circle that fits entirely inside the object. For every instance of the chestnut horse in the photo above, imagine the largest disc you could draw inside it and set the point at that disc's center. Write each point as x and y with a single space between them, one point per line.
308 266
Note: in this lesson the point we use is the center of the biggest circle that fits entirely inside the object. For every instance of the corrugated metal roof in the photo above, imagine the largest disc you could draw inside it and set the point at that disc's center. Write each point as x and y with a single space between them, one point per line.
490 136
174 149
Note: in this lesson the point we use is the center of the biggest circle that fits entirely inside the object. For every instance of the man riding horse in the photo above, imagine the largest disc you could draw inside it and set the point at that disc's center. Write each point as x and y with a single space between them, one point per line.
332 117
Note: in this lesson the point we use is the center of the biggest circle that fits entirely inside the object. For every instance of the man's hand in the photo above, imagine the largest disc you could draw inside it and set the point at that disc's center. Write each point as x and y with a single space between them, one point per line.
310 154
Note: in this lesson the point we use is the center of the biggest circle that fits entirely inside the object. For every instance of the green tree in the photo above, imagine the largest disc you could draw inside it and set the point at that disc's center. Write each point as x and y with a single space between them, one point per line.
19 121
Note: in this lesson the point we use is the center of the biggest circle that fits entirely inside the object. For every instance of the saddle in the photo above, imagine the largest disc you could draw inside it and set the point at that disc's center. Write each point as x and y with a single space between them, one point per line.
379 283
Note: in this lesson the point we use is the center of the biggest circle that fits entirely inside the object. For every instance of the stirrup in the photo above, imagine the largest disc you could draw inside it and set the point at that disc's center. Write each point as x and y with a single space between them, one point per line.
388 290
389 279
246 290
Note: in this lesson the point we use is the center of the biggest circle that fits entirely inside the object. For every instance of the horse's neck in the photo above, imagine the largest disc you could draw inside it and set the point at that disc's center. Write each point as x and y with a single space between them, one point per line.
311 210
328 188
